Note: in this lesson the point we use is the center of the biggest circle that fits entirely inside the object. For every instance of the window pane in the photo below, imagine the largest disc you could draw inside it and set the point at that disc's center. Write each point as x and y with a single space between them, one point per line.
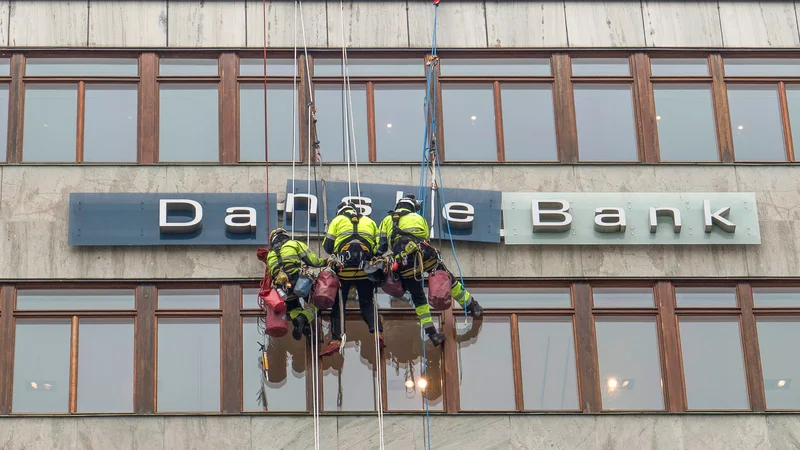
522 297
105 365
330 123
189 123
51 120
705 296
250 298
587 67
41 366
685 117
110 124
605 123
776 297
617 297
793 103
356 67
3 120
777 339
387 302
668 67
348 382
399 122
5 66
756 123
506 67
189 67
188 365
713 365
77 299
748 67
277 67
484 352
469 127
630 366
285 386
529 127
404 357
280 123
94 67
547 354
188 299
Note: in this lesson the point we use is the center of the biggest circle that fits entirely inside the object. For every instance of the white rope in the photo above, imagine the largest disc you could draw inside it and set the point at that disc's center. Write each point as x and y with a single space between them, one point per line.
351 125
315 383
345 111
295 148
378 373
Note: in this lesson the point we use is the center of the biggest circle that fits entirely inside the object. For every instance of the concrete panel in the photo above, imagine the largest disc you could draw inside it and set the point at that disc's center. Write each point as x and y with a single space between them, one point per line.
725 432
281 24
49 24
368 24
604 24
461 24
4 16
484 432
640 432
526 24
206 24
554 432
783 431
777 256
682 24
636 178
777 190
664 261
127 24
109 433
219 179
207 432
754 24
39 433
400 433
641 178
290 433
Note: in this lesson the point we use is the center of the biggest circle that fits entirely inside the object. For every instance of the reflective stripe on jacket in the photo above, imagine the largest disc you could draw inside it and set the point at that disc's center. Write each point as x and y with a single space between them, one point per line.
340 232
411 223
293 254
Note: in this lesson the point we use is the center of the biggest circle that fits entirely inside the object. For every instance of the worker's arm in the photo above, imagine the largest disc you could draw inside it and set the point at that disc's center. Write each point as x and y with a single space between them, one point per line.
308 257
330 236
374 232
425 227
383 235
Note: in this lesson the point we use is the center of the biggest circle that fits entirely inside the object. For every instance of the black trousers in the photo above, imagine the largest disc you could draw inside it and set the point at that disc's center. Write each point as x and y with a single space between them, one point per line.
366 299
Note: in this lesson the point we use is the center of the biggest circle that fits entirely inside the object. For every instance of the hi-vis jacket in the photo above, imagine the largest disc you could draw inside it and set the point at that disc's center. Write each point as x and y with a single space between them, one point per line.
293 255
341 232
409 222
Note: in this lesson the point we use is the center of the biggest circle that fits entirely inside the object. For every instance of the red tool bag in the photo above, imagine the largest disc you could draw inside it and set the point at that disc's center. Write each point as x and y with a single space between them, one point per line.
275 324
325 289
439 290
392 286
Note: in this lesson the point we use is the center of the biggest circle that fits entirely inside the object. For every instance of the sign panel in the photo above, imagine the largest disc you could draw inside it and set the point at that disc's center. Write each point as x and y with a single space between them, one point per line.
624 218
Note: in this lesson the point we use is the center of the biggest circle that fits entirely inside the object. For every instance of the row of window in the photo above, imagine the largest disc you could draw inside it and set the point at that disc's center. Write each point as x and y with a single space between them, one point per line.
74 352
492 109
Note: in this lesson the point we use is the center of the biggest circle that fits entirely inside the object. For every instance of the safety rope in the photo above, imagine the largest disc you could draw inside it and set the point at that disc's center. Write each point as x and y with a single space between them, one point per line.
294 107
378 373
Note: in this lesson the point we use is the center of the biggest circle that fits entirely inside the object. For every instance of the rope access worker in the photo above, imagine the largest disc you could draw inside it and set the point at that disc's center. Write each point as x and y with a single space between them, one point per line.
285 260
406 234
351 239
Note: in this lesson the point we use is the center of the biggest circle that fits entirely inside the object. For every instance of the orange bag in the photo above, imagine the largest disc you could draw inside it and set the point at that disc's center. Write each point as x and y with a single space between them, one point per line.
439 290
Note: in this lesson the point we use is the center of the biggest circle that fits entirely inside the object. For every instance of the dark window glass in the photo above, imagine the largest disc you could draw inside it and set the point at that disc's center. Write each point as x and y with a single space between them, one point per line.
348 381
51 118
793 103
280 122
503 67
777 339
556 297
590 67
41 366
188 365
713 366
484 352
189 67
469 126
406 384
330 102
670 67
188 299
110 125
756 123
3 120
189 129
399 122
529 127
685 118
77 299
754 67
705 296
604 115
776 297
630 368
72 67
357 67
284 388
547 354
277 67
620 297
105 365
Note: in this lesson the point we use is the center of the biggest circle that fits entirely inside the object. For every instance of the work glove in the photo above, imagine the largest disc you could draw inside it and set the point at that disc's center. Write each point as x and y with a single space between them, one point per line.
281 279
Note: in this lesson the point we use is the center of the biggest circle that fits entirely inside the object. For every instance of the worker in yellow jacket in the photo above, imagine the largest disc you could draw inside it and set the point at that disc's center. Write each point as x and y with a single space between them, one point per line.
351 239
407 235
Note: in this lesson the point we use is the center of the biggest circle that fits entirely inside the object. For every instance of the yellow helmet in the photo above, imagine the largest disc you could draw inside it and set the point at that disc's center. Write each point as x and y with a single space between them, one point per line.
277 235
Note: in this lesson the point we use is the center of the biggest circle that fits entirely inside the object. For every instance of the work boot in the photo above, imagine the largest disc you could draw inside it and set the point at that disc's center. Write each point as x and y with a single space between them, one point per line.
332 348
474 309
300 326
436 337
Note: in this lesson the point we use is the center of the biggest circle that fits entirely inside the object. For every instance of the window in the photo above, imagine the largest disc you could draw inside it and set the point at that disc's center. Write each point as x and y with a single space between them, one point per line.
776 297
529 128
89 299
706 296
469 122
399 122
42 366
336 135
105 368
188 299
348 380
793 105
410 379
685 121
621 297
547 354
484 346
754 67
670 67
498 297
756 122
604 115
776 339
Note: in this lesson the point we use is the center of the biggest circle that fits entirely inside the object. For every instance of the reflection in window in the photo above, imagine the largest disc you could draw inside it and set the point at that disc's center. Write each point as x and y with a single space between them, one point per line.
348 381
188 67
630 369
75 67
776 297
399 122
188 299
75 299
586 67
793 103
280 122
370 67
469 127
756 123
547 353
685 120
330 101
189 123
484 352
622 297
3 120
50 129
105 365
110 125
755 67
406 385
188 365
284 388
555 297
713 365
604 115
529 128
705 296
41 366
496 67
777 339
281 67
670 67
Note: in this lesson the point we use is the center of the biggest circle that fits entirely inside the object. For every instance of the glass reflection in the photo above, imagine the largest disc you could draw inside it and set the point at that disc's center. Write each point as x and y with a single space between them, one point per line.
399 122
529 128
189 123
404 371
348 380
755 67
41 366
469 122
279 124
50 126
105 386
670 67
584 67
485 364
111 123
756 123
619 297
281 67
793 103
81 299
777 339
188 299
496 67
547 354
604 115
705 296
685 120
188 67
329 100
776 297
76 67
555 297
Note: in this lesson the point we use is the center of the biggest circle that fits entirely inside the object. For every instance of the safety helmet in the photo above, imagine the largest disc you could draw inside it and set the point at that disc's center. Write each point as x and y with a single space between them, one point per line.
344 206
277 236
410 202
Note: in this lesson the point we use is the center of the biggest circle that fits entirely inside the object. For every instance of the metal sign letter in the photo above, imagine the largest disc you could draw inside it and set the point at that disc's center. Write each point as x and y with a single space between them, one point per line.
166 205
718 218
551 216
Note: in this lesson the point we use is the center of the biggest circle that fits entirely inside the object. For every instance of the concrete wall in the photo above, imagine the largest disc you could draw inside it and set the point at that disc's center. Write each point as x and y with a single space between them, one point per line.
34 205
373 24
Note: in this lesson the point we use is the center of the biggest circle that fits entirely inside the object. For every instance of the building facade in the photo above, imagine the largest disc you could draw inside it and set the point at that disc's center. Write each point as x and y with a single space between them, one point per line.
600 335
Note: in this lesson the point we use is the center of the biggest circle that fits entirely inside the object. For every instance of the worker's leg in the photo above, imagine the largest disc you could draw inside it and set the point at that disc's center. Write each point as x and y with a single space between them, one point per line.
461 295
366 301
423 309
337 325
301 318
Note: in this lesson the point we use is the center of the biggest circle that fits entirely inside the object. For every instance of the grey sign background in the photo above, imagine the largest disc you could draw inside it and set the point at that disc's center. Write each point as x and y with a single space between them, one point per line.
518 219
